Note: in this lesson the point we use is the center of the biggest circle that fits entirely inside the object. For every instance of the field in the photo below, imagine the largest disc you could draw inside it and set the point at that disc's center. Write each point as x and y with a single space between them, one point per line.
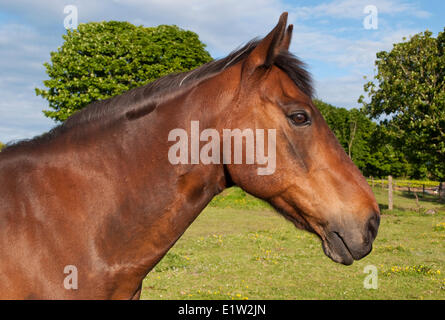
239 248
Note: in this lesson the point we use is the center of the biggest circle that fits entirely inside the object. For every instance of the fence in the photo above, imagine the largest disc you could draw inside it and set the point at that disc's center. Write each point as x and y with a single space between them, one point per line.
417 187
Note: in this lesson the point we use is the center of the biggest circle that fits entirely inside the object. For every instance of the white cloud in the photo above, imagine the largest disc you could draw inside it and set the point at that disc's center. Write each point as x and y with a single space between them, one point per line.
351 52
22 53
341 91
21 116
357 58
353 9
345 52
221 24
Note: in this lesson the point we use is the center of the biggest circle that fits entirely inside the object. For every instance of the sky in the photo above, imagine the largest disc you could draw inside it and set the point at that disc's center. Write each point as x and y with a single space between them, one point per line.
336 39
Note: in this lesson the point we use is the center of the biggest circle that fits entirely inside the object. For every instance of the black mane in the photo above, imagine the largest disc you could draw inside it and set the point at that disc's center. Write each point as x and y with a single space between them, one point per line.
142 100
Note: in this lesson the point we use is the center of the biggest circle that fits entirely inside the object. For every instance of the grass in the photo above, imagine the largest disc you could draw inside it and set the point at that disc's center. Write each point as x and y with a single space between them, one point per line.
239 248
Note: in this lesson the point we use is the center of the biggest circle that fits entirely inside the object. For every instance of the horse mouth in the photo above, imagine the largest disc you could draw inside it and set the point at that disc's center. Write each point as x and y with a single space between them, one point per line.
335 248
333 243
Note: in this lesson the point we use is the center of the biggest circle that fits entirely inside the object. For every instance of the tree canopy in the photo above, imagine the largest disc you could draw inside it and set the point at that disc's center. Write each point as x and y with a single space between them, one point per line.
103 59
408 97
366 142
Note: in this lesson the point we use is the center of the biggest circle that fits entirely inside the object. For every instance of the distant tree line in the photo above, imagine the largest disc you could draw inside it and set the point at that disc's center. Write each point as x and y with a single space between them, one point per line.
369 144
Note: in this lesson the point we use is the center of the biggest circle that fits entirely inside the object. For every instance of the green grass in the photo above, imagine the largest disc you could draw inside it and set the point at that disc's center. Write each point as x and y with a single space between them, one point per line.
239 248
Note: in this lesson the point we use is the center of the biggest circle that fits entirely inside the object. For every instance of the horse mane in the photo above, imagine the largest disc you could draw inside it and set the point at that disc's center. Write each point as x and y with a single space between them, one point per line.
142 100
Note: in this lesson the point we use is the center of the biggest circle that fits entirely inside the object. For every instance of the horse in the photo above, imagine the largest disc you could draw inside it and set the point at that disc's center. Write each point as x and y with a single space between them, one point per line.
90 207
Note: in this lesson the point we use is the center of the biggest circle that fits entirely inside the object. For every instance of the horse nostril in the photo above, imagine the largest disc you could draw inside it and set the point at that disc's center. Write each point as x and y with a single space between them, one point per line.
373 226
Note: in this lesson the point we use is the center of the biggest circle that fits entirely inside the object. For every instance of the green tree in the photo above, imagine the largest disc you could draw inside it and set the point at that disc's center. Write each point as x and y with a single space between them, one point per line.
365 141
408 97
383 159
1 146
103 59
352 129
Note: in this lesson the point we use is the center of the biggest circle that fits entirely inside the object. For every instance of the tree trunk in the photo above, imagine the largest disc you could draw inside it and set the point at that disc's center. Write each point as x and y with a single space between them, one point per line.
351 139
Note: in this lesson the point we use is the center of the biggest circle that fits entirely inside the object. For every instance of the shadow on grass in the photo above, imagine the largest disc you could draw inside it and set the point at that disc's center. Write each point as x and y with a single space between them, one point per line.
398 211
422 197
403 211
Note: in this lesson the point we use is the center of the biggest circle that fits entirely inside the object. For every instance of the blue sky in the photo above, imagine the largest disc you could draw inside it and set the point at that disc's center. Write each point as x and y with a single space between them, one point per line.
328 35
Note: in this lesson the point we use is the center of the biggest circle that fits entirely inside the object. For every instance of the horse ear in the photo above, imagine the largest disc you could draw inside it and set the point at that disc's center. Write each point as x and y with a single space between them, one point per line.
285 44
268 48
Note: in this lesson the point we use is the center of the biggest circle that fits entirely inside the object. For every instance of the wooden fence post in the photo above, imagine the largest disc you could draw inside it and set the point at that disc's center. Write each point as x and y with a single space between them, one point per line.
390 204
423 190
441 191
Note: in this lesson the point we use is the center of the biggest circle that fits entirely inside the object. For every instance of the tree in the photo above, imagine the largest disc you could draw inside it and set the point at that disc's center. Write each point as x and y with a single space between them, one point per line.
366 142
384 160
408 97
2 146
352 129
101 60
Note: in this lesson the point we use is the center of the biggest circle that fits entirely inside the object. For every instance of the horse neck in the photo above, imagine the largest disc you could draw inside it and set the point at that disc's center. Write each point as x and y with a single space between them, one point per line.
160 200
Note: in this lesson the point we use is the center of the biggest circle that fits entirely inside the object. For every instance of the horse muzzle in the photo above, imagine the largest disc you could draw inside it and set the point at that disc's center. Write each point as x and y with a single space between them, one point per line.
346 244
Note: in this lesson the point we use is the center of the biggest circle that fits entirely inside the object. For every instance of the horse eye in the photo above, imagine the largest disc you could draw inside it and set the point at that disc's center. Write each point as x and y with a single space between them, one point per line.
299 118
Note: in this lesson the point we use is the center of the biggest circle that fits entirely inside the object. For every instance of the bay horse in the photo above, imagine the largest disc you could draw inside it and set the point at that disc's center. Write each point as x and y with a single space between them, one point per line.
97 194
